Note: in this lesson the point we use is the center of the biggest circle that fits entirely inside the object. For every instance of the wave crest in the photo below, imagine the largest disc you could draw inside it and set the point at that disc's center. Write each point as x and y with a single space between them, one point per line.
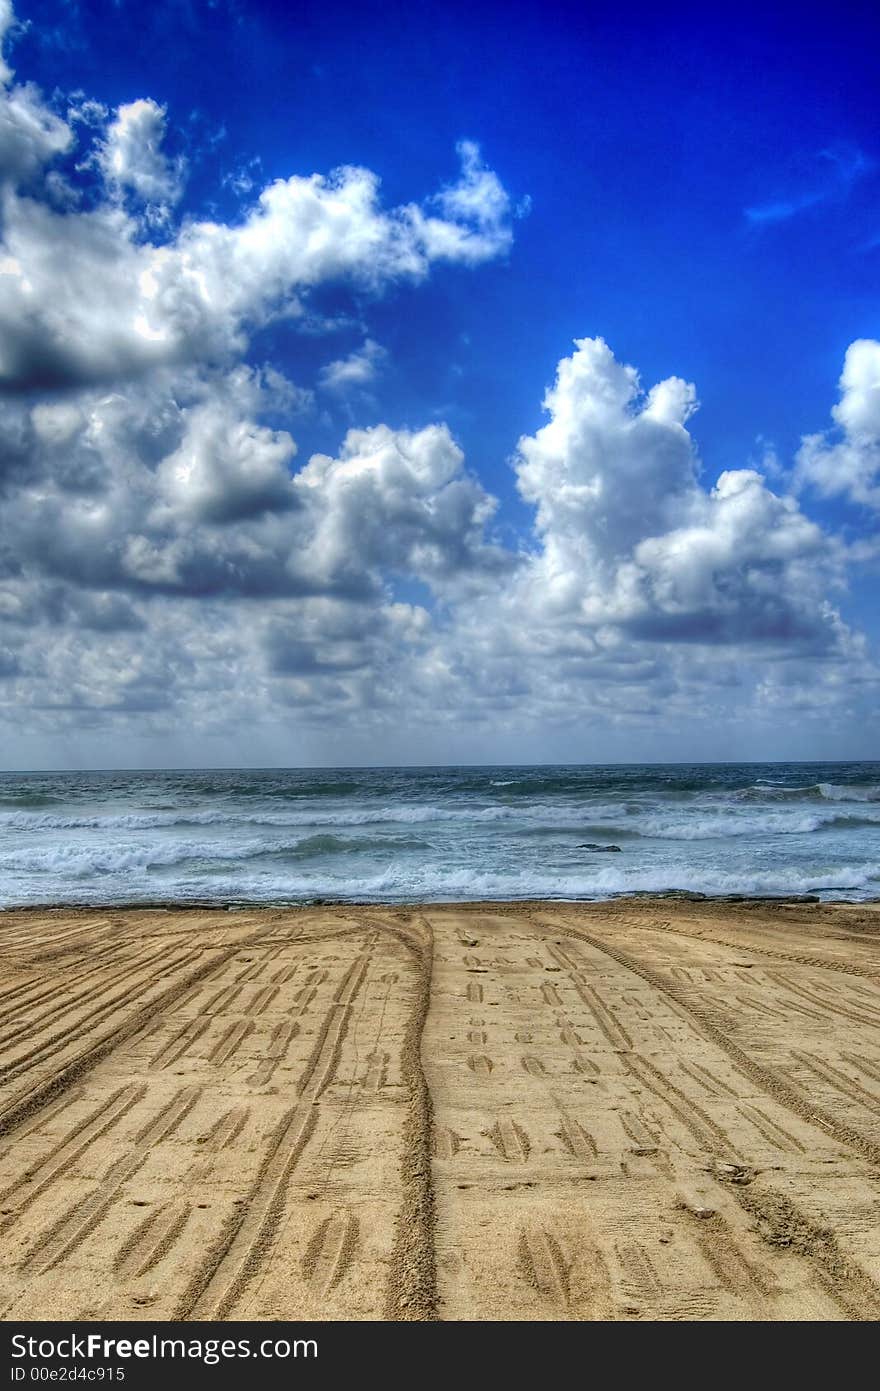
815 791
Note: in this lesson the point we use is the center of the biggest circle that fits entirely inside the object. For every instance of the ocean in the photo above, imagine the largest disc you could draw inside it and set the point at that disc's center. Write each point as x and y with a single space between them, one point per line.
433 834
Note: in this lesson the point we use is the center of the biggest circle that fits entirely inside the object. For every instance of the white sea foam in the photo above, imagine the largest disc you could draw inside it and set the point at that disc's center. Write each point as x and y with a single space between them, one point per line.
718 826
814 791
834 792
121 857
400 835
344 816
432 883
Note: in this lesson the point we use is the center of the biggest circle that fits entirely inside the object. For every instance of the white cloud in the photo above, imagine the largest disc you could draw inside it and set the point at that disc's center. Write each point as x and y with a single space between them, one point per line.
631 539
85 111
83 297
131 156
398 500
848 465
601 448
167 563
30 134
478 197
359 369
475 225
226 469
7 19
187 573
180 489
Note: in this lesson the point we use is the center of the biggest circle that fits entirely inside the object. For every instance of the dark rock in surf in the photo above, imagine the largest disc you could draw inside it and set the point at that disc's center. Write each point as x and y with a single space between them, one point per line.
590 845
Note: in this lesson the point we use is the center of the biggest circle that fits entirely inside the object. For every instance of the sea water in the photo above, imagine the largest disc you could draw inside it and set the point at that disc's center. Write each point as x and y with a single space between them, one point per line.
433 834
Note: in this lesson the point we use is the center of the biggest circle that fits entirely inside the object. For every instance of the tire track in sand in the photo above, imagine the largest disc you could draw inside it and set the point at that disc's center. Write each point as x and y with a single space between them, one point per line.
411 1292
64 1236
45 1090
239 1252
65 1153
771 1082
846 968
50 1044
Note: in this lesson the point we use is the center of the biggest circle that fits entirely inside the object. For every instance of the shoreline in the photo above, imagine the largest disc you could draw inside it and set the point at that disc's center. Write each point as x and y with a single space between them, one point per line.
637 897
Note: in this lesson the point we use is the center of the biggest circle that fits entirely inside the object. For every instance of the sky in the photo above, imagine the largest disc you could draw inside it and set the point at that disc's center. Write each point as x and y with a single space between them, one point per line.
397 383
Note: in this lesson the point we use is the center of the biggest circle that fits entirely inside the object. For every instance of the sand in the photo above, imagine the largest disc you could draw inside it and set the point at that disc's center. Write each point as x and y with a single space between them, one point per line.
652 1109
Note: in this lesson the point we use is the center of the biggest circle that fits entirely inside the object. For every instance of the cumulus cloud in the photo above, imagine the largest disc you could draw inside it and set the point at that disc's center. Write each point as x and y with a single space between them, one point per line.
84 297
168 560
31 134
145 519
131 156
846 462
398 500
226 469
181 489
601 442
183 561
629 536
475 212
478 200
359 369
7 19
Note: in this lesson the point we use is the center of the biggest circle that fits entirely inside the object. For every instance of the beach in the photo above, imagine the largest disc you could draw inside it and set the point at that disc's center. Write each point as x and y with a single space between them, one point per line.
649 1108
439 678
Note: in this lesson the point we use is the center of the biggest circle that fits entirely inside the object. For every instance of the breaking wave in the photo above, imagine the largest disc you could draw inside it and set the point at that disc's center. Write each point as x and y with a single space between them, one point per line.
445 833
720 826
816 791
122 857
154 821
433 884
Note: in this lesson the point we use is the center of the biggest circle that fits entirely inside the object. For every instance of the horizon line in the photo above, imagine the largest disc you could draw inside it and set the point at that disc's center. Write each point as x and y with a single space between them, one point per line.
396 767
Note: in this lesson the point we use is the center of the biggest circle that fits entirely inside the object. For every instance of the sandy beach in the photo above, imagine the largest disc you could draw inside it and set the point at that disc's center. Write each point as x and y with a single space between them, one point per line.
648 1109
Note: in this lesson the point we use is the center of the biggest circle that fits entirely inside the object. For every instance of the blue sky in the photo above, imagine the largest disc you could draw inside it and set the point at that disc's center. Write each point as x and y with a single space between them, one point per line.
700 191
643 139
